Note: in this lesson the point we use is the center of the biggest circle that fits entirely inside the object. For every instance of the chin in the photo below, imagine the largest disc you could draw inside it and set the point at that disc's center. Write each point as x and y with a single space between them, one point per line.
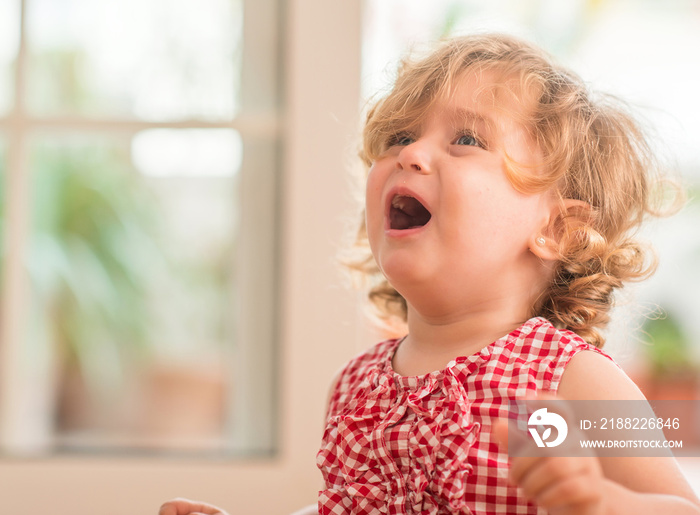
403 273
414 287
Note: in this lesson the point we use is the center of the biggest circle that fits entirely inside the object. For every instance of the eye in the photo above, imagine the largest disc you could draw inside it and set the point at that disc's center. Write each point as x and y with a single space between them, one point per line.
469 140
402 140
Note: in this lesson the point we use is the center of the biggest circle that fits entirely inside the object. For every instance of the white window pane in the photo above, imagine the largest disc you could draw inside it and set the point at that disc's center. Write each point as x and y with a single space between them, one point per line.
132 278
149 59
9 41
187 152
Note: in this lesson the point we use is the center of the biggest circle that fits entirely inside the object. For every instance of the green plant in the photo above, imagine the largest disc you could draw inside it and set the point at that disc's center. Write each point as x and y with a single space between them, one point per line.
92 250
668 352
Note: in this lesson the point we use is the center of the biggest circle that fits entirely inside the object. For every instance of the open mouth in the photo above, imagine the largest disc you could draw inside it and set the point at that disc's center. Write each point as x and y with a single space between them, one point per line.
407 212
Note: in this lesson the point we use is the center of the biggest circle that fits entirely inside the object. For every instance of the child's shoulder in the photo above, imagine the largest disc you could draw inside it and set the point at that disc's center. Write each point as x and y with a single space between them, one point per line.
378 355
538 339
543 351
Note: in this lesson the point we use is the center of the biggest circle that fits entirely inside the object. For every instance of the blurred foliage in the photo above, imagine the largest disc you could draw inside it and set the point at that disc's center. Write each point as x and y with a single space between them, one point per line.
693 194
92 252
455 12
669 352
60 80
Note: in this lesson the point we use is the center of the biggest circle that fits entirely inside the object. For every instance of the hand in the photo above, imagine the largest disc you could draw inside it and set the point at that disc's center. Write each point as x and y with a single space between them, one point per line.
187 507
565 485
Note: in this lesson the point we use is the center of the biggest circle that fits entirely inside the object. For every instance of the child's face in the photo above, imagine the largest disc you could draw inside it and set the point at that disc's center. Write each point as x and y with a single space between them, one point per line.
445 224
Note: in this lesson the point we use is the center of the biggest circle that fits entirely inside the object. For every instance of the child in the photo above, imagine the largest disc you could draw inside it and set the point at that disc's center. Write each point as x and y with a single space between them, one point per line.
500 200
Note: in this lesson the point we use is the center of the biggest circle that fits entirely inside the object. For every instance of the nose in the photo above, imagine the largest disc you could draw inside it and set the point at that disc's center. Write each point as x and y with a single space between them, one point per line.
415 157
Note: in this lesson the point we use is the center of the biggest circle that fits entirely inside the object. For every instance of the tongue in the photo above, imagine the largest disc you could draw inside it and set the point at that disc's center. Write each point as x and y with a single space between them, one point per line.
401 220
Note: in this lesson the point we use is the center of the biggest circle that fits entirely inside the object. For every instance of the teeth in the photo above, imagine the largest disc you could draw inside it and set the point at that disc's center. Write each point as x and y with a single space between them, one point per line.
399 202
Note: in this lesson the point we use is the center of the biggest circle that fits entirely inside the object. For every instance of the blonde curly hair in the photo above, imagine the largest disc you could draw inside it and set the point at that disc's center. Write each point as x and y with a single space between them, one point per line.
594 152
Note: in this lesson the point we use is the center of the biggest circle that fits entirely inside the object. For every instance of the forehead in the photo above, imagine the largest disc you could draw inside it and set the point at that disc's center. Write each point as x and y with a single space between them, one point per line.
486 97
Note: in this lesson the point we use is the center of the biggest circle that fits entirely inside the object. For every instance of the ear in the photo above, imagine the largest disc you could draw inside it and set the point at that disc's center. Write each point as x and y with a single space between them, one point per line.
564 215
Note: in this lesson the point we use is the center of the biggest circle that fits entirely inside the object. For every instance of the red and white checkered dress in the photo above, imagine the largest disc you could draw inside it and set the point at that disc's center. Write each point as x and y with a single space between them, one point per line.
423 444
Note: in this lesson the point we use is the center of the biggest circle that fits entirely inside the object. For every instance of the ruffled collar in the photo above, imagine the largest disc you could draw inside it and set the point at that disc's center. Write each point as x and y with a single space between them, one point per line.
460 366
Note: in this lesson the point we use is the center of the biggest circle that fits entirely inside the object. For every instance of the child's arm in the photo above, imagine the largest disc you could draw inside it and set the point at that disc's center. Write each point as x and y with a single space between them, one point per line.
591 486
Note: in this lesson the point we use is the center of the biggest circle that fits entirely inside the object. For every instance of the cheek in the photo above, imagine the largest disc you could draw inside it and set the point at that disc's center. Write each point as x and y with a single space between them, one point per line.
488 209
374 208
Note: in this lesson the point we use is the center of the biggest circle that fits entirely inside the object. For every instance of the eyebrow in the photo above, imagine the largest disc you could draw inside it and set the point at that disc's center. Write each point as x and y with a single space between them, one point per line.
468 117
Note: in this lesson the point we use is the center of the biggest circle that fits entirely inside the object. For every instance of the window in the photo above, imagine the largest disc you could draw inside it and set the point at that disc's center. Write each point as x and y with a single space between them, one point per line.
138 146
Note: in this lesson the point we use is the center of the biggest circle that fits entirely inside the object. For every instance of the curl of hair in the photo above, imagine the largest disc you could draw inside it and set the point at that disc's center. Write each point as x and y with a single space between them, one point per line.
593 151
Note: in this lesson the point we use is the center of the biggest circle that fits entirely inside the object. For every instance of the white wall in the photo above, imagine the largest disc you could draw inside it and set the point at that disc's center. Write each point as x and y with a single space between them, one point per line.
320 329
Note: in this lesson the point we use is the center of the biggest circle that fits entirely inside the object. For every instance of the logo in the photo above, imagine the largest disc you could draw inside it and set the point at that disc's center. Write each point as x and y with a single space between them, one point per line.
545 420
